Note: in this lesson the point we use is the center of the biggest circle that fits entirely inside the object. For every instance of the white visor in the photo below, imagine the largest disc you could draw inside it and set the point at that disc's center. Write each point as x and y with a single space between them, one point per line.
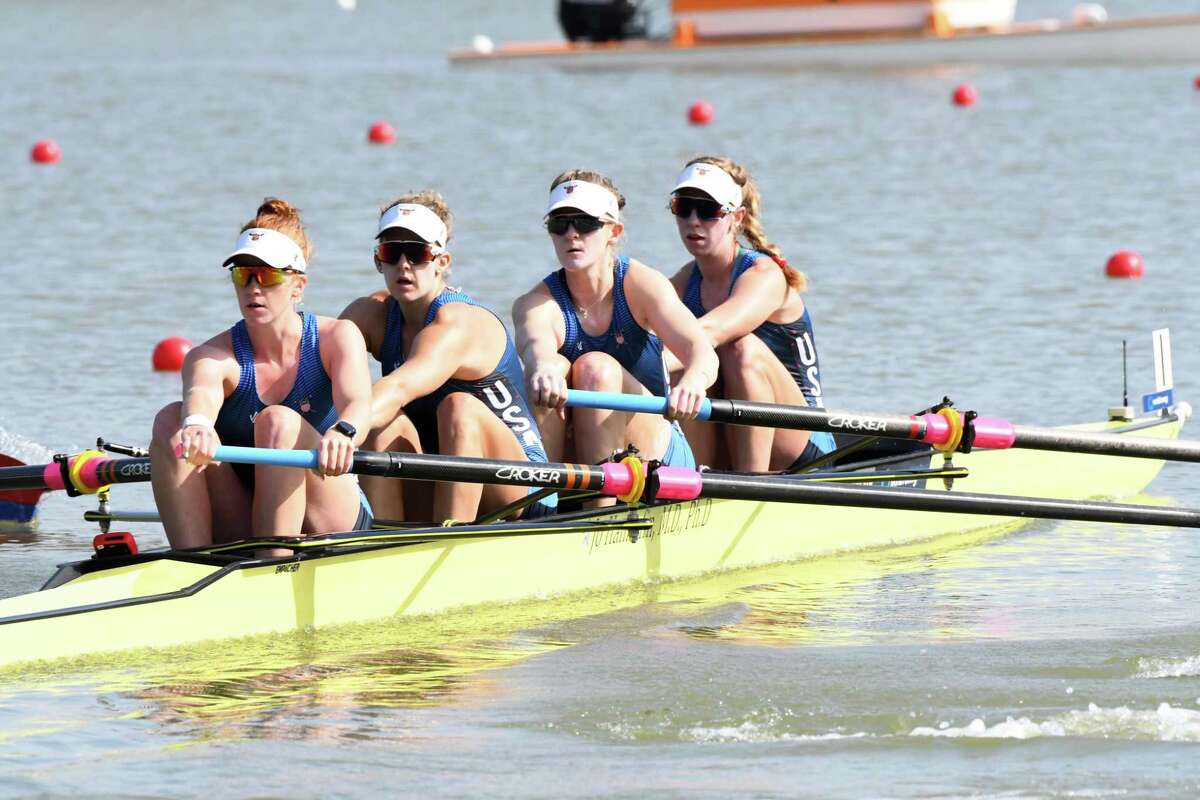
590 198
416 218
713 181
273 248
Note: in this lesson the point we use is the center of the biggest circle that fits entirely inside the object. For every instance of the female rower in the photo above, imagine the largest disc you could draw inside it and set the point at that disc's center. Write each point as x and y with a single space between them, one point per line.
278 378
452 383
748 301
596 324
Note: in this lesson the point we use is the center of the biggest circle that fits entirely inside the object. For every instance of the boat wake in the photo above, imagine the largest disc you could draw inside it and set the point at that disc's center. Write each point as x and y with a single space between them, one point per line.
1168 668
1166 723
19 447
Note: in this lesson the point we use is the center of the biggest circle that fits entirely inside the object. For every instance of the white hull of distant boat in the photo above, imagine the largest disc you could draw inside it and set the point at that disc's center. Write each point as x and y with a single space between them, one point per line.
1150 40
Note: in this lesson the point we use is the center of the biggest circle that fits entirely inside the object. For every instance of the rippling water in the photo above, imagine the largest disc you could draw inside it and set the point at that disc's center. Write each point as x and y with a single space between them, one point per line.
950 252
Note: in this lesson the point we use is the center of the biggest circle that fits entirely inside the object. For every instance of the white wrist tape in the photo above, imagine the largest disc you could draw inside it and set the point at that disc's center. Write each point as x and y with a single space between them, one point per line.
197 419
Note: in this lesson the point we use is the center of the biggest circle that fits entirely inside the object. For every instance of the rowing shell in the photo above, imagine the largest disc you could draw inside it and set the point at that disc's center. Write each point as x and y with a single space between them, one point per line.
167 598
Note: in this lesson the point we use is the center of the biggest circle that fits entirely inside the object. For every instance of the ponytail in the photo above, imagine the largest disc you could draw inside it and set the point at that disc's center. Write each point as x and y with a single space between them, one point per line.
751 228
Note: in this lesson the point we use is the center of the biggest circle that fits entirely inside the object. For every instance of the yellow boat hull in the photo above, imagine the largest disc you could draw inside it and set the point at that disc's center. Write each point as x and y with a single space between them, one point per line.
185 598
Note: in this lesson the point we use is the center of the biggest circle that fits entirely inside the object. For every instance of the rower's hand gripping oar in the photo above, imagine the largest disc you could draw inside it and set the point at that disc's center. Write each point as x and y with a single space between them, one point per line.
947 430
631 481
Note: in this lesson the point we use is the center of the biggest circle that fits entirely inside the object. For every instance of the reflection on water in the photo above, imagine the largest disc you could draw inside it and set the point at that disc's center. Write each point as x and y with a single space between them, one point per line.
331 683
368 681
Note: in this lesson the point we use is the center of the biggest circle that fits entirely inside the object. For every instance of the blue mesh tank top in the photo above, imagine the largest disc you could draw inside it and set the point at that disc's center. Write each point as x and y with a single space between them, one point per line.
502 390
793 343
311 395
636 349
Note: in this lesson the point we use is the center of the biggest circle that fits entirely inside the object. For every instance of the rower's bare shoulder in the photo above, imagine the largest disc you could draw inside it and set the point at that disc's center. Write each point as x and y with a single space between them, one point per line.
340 330
214 357
644 278
539 295
367 308
217 348
462 315
680 279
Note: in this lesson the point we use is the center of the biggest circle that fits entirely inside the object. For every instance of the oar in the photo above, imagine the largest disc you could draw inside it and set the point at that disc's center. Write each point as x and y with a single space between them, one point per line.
627 481
86 472
934 429
18 507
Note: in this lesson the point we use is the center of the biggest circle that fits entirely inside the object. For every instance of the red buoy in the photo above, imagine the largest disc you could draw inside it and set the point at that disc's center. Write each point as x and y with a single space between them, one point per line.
381 133
169 353
46 151
965 95
1125 264
1198 81
701 113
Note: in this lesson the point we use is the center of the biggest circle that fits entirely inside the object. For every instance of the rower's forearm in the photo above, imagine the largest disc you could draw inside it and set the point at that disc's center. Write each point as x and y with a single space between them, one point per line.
358 414
202 402
387 401
702 366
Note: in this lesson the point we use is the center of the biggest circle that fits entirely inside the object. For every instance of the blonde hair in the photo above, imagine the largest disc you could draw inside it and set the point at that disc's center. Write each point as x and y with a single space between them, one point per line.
751 227
431 200
280 215
590 176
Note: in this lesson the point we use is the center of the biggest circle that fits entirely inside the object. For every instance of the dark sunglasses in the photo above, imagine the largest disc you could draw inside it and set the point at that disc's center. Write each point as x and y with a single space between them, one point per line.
683 207
414 252
266 276
582 223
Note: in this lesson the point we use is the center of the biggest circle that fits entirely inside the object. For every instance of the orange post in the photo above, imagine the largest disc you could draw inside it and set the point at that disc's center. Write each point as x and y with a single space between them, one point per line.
939 23
684 34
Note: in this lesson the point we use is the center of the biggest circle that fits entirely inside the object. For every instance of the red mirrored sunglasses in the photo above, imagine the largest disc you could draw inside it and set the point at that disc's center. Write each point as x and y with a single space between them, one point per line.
414 252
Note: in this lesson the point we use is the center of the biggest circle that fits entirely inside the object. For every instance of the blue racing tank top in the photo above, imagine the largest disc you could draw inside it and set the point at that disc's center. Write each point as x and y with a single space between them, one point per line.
311 395
793 343
636 349
502 391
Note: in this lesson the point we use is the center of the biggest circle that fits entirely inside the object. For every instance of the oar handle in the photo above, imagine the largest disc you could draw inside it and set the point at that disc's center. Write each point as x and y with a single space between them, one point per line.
624 479
935 429
301 459
634 403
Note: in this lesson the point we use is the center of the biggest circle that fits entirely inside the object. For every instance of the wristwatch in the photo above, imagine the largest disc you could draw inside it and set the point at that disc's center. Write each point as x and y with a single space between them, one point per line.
345 428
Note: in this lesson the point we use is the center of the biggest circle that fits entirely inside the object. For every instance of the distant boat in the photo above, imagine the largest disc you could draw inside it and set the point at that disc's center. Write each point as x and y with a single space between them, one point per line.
788 34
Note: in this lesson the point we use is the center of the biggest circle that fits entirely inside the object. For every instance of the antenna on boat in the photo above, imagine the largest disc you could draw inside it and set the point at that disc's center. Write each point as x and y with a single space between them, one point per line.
1124 373
1123 412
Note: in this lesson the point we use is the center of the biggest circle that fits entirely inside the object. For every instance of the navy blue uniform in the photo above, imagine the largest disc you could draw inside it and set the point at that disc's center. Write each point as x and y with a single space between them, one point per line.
502 390
793 343
311 397
636 349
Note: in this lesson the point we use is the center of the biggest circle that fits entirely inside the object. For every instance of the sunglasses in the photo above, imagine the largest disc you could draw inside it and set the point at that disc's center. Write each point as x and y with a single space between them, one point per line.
266 276
582 223
414 252
683 207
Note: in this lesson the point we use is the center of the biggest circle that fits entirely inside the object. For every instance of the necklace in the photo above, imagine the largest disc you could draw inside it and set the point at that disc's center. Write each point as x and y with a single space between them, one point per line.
585 311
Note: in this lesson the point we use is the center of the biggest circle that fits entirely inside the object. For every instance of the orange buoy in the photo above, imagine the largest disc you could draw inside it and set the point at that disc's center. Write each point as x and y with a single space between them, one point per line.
45 151
169 353
965 95
381 133
1125 264
701 113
